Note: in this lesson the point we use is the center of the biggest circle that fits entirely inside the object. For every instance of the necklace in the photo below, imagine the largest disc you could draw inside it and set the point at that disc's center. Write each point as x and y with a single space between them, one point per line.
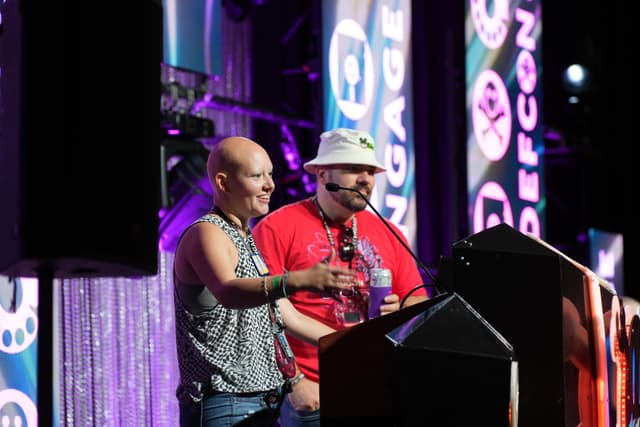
349 306
354 228
222 215
251 247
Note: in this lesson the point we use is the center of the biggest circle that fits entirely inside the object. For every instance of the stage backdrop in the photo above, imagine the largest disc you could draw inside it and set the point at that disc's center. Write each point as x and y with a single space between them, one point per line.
19 352
192 35
504 147
367 86
606 256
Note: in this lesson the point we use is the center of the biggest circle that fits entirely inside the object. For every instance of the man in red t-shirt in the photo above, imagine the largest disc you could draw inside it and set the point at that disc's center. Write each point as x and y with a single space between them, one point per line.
334 226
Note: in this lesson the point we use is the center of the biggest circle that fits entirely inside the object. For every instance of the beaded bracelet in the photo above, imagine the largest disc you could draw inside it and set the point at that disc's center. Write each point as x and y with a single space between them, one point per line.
285 276
264 286
295 380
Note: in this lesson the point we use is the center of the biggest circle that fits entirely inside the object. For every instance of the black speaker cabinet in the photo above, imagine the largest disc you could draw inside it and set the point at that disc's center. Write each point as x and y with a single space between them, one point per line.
553 311
79 137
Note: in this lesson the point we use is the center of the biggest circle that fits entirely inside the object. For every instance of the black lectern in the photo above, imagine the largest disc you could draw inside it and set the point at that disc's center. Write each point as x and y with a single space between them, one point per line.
355 370
388 370
553 311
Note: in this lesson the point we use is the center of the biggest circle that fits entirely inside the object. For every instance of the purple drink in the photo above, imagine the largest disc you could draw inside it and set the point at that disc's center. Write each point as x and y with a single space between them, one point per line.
379 287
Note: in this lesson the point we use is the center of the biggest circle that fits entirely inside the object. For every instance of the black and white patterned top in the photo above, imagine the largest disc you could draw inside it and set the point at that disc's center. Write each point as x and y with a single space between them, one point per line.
219 348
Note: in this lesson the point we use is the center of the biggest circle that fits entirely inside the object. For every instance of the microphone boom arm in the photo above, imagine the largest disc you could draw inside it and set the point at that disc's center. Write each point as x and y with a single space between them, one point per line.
333 187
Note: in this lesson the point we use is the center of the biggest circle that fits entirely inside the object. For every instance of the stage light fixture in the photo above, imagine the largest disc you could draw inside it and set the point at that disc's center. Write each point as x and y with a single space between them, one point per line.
183 170
576 79
187 125
185 190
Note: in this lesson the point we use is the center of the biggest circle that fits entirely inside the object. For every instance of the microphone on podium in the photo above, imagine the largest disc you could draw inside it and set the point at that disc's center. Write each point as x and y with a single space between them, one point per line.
333 187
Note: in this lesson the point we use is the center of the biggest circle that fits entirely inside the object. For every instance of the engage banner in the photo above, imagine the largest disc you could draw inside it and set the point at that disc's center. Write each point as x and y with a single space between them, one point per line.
367 85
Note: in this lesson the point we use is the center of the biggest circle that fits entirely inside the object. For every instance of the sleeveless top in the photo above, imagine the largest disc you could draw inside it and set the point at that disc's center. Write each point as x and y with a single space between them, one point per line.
223 349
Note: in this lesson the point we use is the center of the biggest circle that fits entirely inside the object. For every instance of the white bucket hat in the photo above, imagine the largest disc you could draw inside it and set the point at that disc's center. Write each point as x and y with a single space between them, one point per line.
345 146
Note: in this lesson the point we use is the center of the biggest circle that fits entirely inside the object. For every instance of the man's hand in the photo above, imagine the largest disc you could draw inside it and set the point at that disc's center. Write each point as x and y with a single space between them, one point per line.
390 304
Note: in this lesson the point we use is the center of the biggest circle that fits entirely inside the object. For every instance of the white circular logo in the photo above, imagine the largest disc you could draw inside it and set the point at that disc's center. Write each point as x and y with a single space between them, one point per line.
492 207
491 115
351 69
17 409
19 326
492 30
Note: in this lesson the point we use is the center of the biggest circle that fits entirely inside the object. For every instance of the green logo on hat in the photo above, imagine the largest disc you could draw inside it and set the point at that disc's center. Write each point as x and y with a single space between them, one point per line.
364 142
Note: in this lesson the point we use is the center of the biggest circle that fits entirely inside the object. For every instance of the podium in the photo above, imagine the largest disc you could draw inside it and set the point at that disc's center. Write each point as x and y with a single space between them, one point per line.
355 370
554 311
553 316
437 354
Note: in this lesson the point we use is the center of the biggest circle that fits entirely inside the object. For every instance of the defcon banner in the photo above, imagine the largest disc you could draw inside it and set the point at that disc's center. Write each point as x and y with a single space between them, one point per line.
504 118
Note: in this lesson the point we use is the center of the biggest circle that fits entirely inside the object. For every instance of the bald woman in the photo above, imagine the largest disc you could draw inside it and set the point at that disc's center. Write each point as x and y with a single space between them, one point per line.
227 305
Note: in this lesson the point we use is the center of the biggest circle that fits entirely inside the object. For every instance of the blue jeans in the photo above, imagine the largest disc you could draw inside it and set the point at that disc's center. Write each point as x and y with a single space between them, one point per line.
230 410
289 417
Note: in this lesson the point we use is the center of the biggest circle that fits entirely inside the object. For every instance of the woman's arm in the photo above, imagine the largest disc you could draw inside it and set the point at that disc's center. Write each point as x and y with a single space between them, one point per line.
302 326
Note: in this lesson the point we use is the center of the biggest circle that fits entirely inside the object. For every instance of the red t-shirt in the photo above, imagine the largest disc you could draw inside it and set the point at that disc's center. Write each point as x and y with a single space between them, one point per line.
293 237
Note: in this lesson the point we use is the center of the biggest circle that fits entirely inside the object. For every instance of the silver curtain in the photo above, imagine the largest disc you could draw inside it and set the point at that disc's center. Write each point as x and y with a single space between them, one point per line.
115 348
117 365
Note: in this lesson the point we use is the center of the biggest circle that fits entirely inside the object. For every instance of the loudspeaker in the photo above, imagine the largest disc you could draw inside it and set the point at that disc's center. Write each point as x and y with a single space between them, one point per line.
79 138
